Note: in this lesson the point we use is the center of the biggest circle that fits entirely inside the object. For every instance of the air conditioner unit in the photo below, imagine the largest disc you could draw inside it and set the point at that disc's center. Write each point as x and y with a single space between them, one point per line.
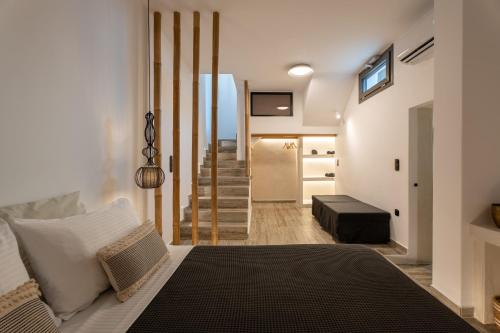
417 44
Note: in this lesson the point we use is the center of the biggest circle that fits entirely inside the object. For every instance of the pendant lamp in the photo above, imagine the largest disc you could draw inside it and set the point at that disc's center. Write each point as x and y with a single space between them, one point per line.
150 175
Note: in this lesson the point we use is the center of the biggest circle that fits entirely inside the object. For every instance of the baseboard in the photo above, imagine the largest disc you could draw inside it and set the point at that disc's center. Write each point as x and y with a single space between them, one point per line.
467 312
464 312
398 246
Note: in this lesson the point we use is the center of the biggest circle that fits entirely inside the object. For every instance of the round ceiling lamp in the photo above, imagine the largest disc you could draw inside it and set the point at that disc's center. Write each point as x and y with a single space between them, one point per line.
300 70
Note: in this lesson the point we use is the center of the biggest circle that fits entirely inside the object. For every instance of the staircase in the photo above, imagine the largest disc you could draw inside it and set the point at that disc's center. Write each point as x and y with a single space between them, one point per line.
233 196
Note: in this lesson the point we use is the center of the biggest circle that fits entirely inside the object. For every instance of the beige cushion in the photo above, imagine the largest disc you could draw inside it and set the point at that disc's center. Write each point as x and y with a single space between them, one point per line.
63 251
21 310
132 260
57 207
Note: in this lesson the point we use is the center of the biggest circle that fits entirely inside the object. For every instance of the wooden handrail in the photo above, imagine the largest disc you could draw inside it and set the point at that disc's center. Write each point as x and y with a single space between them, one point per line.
247 128
194 151
176 209
214 141
157 113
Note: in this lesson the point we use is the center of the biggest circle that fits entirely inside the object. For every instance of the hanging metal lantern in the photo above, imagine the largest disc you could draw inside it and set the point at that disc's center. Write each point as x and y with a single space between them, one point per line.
150 175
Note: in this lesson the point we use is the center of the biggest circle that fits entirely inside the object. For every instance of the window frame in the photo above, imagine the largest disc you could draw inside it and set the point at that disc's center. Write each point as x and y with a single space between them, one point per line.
388 55
255 93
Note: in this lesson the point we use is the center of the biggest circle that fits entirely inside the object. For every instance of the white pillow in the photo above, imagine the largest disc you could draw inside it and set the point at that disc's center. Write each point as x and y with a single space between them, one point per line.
63 251
12 270
52 208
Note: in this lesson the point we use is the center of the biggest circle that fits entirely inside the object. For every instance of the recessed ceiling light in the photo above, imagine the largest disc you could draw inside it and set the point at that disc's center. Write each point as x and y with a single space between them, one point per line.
337 115
300 70
282 108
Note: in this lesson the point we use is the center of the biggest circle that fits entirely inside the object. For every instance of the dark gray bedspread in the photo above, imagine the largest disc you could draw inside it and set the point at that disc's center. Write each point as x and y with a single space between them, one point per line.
296 288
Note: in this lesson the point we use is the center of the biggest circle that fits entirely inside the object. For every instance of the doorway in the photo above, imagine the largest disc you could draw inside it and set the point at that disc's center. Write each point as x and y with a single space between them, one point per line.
421 182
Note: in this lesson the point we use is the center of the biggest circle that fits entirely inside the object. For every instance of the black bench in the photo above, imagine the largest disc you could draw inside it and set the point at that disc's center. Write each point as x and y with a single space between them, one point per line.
349 220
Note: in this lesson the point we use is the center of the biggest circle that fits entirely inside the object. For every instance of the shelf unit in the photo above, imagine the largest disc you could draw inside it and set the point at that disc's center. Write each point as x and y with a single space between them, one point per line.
314 179
319 156
312 167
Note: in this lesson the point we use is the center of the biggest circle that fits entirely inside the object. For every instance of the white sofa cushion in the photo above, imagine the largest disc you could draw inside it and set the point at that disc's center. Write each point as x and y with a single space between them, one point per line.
62 253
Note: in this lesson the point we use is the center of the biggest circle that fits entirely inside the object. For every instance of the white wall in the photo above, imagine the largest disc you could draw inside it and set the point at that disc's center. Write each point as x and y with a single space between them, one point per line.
481 117
72 99
447 245
375 133
467 136
293 124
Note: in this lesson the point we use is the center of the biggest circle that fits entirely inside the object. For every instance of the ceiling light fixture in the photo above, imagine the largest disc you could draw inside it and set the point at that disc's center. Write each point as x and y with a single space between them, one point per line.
337 115
282 108
300 70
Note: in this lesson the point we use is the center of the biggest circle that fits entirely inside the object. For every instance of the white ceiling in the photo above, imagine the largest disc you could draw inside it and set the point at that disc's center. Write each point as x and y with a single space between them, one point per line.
261 39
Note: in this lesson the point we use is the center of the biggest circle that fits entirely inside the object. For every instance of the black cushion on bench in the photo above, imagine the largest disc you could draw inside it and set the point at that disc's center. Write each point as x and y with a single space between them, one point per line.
356 222
318 200
350 220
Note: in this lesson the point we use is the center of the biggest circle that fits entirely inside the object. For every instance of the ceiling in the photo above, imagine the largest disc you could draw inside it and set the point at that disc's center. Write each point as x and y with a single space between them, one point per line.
261 39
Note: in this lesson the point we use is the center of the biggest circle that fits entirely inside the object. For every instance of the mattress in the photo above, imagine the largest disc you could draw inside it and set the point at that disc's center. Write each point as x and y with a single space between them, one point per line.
108 315
319 200
293 288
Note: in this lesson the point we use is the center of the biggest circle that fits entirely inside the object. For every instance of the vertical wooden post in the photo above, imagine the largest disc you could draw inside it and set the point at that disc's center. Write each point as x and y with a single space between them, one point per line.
194 151
247 128
157 113
214 141
176 131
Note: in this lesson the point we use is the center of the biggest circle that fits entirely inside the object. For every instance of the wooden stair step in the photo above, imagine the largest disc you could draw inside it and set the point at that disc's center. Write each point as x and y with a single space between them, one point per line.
223 149
226 231
227 190
227 142
229 215
225 180
223 156
222 202
224 163
232 172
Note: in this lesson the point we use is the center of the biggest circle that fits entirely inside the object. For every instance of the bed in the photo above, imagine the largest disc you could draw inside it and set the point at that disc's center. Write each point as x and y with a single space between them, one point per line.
291 288
349 220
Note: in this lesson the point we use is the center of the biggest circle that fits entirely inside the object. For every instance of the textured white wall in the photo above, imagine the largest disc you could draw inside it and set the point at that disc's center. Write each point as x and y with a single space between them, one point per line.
72 98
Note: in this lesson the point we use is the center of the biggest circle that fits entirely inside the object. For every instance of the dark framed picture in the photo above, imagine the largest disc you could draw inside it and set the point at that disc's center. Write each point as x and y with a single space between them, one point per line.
269 104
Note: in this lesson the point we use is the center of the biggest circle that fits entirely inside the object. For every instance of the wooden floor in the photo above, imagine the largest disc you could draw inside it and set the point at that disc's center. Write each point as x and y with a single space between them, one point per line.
286 223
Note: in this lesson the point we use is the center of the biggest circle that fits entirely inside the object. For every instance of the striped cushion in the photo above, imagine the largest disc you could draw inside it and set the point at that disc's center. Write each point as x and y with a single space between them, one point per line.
21 310
130 261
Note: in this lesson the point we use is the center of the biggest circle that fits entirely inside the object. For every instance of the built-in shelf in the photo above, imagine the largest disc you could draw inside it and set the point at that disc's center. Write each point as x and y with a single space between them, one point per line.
313 167
315 179
486 231
319 156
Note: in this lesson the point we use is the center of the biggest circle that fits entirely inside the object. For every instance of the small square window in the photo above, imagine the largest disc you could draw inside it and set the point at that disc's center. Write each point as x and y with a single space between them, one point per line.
378 77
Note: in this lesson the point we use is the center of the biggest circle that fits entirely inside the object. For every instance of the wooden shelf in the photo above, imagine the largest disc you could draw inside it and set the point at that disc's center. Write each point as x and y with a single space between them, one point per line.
315 179
319 156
